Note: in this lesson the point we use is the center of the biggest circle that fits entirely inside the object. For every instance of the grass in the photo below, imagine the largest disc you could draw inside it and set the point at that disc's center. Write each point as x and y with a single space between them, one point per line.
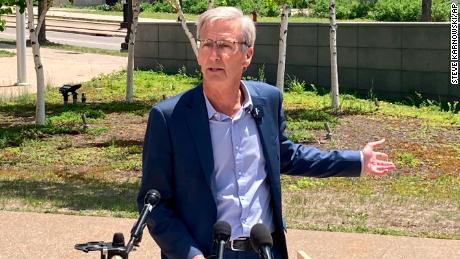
67 47
64 167
53 45
6 54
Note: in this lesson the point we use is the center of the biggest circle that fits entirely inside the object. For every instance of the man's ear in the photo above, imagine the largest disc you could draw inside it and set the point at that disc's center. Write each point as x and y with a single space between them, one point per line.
248 57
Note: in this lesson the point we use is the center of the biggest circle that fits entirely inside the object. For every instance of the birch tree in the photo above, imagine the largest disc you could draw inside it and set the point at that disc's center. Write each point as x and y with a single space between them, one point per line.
33 34
282 48
176 5
210 4
132 39
333 51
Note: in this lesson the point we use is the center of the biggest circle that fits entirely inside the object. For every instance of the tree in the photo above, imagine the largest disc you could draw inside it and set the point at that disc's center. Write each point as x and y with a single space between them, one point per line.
42 35
426 11
132 39
333 49
282 48
177 6
33 32
33 36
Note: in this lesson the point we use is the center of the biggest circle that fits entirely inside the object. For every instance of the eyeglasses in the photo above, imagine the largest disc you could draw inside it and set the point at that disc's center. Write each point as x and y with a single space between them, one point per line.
223 46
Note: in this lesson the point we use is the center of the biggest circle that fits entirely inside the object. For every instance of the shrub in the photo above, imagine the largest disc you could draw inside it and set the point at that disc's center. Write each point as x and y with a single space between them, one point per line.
103 7
345 9
159 6
295 85
440 10
194 6
395 10
301 3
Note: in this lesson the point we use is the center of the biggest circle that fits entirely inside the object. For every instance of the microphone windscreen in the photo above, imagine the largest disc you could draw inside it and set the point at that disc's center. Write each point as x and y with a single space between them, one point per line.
222 231
118 239
260 236
152 197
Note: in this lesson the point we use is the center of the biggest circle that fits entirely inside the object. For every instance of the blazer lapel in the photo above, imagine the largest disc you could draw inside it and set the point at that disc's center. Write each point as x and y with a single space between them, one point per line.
199 126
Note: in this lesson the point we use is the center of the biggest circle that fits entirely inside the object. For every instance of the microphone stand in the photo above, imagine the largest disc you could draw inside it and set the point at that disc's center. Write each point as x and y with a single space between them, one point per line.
117 248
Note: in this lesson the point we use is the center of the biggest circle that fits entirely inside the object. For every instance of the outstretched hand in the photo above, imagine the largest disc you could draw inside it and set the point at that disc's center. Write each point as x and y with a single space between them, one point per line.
376 163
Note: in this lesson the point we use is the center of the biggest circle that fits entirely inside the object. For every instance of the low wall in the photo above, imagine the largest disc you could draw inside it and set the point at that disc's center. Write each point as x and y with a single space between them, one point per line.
88 2
392 59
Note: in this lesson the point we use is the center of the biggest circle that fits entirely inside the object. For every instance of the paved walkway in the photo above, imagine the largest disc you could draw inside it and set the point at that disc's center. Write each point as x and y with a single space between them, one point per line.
60 67
39 235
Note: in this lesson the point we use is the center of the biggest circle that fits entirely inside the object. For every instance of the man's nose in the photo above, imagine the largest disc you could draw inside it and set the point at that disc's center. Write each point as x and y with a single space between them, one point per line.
215 53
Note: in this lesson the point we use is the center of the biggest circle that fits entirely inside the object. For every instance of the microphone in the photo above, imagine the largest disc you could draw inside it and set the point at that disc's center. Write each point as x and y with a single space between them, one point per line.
261 241
221 233
150 201
257 112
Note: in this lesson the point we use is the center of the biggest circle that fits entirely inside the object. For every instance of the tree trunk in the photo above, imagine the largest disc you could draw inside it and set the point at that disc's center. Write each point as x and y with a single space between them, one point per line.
333 48
33 32
282 48
426 11
132 40
42 5
177 6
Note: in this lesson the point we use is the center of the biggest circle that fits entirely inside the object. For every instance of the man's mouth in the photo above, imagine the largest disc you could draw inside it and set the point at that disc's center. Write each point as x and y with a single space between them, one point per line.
215 69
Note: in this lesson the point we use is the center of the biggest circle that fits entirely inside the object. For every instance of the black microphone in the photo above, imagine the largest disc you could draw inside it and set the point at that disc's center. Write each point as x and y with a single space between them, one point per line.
261 241
150 201
221 233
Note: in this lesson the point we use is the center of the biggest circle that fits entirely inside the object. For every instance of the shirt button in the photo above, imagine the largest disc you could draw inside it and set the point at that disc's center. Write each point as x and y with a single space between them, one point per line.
239 173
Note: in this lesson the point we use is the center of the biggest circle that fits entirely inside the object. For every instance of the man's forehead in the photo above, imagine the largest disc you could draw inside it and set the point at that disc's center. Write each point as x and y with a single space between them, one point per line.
233 25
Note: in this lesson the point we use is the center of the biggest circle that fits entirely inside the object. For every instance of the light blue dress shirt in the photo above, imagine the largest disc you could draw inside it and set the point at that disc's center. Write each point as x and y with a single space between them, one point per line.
239 181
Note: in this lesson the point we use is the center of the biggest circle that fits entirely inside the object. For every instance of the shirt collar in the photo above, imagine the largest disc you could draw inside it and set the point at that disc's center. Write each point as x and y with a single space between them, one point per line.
213 114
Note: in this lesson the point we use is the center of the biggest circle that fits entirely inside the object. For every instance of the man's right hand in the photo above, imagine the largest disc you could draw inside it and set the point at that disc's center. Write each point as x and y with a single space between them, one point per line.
199 257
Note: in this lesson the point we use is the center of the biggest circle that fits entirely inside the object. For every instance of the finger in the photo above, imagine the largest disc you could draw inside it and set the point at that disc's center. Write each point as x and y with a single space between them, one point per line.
376 143
379 171
376 172
382 163
381 156
385 167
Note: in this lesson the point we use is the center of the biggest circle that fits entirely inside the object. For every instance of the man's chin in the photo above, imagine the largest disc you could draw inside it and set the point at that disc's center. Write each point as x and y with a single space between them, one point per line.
214 77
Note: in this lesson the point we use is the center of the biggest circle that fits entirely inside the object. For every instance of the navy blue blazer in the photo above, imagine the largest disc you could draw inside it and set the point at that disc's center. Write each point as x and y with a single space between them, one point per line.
178 162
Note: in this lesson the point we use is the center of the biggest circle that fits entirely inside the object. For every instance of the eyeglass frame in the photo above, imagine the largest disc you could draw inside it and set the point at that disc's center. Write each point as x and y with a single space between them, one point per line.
214 43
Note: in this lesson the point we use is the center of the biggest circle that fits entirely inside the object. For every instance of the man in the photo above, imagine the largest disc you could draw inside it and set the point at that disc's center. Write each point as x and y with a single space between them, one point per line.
216 151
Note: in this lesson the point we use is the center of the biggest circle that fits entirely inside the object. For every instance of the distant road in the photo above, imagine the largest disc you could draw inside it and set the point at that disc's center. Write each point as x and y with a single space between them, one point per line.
101 42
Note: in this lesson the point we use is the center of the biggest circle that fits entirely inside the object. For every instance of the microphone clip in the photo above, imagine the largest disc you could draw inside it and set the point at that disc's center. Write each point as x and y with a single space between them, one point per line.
257 112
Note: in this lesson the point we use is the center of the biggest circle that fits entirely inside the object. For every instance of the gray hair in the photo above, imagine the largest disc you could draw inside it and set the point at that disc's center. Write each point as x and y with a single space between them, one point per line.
226 13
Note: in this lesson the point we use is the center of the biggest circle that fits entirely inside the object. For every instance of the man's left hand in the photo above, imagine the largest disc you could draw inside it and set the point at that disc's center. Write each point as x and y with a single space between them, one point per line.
376 163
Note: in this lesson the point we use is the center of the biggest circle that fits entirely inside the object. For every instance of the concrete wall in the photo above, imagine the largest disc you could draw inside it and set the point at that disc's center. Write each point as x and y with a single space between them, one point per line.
88 2
393 59
61 3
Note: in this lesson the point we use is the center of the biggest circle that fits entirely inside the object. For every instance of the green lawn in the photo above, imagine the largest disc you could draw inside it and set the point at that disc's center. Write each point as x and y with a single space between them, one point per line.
6 54
67 168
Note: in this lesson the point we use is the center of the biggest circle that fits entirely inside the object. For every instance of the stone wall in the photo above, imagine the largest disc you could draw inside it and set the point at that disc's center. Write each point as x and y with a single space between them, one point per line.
393 59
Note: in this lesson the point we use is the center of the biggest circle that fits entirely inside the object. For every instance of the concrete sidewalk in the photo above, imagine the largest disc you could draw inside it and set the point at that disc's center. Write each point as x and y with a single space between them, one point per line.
60 67
39 235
